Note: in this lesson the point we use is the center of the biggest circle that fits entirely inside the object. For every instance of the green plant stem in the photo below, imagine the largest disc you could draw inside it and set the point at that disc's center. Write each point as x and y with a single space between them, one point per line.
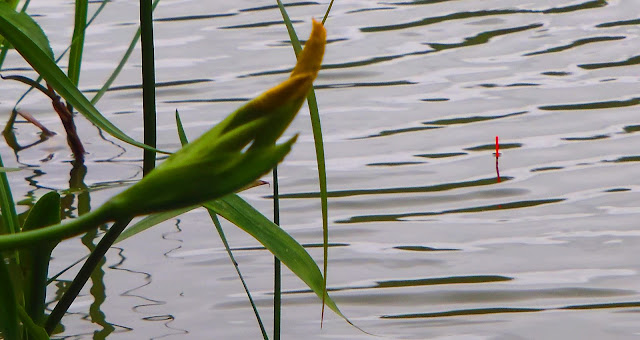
216 222
85 272
120 66
58 232
35 332
277 266
148 84
77 43
316 127
8 304
9 216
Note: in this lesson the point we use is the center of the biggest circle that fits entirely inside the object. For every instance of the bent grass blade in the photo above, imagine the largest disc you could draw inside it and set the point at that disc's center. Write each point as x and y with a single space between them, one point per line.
31 42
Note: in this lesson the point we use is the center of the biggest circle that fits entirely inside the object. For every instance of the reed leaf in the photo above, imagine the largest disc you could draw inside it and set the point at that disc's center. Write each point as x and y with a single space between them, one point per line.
35 260
216 222
9 326
77 41
316 128
212 166
31 42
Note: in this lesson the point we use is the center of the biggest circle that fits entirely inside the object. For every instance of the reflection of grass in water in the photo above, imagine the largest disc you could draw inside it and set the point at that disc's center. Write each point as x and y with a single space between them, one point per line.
394 163
592 106
547 168
469 279
501 310
627 159
491 147
460 312
474 119
631 128
398 190
577 139
618 190
442 155
493 207
423 248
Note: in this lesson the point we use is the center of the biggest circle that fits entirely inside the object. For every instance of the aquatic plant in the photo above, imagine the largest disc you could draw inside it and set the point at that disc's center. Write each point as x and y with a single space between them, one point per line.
205 172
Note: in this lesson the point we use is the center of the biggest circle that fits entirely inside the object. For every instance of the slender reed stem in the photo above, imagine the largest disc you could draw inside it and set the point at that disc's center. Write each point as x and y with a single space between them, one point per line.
148 84
216 222
277 270
77 43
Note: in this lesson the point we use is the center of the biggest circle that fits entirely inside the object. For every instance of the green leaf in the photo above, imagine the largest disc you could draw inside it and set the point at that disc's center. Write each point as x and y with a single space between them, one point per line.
316 127
123 60
151 221
41 59
8 306
10 223
216 222
35 260
276 240
5 169
27 26
212 166
35 332
214 218
77 41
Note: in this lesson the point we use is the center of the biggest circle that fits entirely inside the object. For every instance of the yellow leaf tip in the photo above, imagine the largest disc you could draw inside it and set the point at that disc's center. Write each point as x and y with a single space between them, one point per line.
310 59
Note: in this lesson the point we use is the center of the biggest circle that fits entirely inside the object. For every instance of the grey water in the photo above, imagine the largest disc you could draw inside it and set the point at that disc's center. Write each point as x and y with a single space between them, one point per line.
426 242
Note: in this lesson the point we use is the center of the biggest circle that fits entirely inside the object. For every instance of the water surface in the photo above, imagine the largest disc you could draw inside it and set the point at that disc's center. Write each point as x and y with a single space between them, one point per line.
427 243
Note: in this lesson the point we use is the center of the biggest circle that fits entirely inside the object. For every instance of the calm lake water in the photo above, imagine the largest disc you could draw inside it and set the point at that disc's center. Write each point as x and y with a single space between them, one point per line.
426 244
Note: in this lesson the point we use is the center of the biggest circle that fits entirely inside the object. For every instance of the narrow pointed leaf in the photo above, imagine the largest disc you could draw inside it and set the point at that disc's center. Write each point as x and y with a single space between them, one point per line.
35 260
34 51
316 127
276 240
212 166
7 206
8 306
77 40
214 218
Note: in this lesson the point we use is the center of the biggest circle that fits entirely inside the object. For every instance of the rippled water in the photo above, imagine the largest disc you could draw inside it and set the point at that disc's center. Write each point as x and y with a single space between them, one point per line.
425 242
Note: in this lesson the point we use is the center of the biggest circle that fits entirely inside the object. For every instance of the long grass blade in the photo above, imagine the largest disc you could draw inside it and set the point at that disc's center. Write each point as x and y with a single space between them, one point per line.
184 141
316 127
216 222
148 85
326 14
123 61
32 44
35 260
10 223
276 240
277 265
93 17
77 42
8 305
35 332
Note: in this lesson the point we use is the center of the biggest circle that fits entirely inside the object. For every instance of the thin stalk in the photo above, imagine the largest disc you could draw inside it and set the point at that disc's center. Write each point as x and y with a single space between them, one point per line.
77 43
83 275
216 222
34 331
9 215
326 14
120 66
148 85
93 17
316 127
277 266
